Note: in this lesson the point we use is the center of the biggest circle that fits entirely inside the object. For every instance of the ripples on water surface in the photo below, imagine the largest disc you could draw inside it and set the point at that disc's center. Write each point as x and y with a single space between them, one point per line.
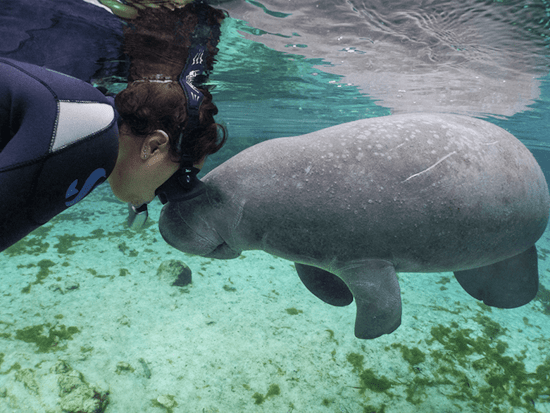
468 56
483 58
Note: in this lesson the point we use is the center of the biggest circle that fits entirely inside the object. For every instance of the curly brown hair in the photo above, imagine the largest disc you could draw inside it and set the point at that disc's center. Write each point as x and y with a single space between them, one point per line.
157 43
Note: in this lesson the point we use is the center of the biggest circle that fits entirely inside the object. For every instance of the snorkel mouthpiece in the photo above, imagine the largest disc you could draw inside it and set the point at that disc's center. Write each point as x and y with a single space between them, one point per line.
137 216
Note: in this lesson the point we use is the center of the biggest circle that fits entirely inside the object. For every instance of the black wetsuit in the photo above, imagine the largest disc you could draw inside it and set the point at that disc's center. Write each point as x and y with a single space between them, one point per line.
58 141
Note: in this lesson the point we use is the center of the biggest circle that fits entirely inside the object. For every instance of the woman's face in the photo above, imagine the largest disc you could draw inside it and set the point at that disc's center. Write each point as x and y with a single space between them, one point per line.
143 164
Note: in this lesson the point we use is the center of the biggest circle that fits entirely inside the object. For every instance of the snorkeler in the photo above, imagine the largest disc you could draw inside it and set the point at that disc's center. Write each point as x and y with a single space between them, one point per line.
58 141
60 137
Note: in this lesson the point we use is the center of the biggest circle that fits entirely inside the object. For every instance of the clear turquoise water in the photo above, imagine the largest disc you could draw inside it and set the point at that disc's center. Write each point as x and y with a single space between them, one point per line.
246 336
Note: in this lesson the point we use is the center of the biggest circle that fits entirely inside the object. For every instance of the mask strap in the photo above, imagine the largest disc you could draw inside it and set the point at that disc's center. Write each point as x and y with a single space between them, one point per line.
195 72
194 75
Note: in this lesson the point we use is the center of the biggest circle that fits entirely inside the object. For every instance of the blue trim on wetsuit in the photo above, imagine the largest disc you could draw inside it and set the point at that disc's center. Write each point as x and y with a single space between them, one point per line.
58 141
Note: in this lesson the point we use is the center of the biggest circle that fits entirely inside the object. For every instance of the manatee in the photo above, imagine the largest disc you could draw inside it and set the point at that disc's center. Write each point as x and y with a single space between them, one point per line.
355 203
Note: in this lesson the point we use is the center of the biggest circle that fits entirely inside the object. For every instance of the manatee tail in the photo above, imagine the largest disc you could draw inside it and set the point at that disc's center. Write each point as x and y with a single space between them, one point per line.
506 284
324 285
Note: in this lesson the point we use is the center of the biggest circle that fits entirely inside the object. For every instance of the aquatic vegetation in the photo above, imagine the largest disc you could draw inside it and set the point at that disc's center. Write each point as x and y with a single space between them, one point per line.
372 409
413 356
29 246
466 365
49 342
123 367
42 274
542 253
146 370
368 379
39 241
443 281
123 247
543 297
356 360
66 242
274 390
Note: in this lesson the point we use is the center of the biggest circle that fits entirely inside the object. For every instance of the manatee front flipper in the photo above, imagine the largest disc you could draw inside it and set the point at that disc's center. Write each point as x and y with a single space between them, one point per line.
506 284
324 285
375 288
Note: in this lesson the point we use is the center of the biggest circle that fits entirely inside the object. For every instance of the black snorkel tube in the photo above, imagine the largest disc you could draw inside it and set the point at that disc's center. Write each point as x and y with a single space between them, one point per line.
184 184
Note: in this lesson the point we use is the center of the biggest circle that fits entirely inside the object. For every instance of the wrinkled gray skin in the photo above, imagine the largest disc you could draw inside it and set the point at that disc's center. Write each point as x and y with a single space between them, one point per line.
359 201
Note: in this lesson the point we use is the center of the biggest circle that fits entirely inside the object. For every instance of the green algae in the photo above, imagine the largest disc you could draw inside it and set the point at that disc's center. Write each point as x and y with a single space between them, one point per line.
146 370
28 246
96 275
413 356
49 342
86 349
32 244
274 390
35 243
66 242
42 274
370 381
543 297
123 367
467 365
367 378
443 281
372 409
293 311
331 337
123 247
14 367
356 360
490 328
229 288
259 399
500 381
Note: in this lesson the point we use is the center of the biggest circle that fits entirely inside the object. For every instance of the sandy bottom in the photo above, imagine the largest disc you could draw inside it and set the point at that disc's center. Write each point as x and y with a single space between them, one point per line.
87 324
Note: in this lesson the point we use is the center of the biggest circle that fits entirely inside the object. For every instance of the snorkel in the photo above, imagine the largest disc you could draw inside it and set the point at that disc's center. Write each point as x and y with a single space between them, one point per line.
184 184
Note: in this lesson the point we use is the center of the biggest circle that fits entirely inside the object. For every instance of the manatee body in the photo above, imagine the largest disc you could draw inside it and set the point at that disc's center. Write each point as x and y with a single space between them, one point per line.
354 203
